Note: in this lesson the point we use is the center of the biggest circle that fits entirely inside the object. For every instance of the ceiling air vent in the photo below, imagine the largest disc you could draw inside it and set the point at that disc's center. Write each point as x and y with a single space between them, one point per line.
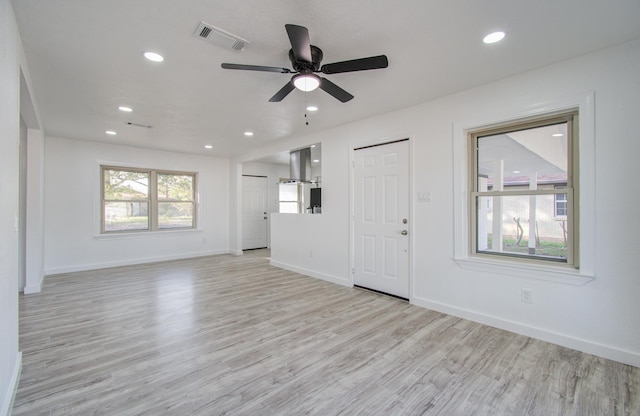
219 37
133 124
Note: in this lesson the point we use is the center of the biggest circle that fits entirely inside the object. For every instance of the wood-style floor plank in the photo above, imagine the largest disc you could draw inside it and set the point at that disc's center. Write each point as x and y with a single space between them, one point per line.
232 335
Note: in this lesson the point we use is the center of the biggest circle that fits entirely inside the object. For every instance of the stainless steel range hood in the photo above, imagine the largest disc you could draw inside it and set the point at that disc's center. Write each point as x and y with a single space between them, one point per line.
300 165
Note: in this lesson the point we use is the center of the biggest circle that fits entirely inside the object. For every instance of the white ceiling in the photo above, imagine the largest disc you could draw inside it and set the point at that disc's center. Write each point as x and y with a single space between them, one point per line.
85 59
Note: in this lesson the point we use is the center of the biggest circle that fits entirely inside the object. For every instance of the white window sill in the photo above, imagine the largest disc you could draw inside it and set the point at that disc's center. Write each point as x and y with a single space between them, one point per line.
560 274
145 234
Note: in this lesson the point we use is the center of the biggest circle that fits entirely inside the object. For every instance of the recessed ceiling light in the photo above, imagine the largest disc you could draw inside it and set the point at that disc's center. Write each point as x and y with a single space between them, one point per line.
152 56
516 171
111 132
313 145
316 160
248 133
312 108
557 135
208 146
125 109
493 37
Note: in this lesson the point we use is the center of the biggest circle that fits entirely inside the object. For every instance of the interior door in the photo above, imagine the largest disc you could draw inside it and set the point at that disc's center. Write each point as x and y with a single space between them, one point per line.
254 212
381 218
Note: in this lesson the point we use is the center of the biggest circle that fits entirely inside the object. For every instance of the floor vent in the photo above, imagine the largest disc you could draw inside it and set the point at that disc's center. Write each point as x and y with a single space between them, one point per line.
219 37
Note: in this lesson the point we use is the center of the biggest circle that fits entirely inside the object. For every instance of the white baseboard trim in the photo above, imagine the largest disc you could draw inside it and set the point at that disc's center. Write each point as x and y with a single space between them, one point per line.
307 272
32 289
589 347
10 394
130 262
236 252
37 288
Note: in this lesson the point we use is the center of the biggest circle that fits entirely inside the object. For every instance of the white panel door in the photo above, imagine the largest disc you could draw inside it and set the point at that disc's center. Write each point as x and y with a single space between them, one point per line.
381 218
254 212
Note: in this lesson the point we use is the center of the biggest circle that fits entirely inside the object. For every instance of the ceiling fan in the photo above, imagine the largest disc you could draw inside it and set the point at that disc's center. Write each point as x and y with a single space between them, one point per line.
305 59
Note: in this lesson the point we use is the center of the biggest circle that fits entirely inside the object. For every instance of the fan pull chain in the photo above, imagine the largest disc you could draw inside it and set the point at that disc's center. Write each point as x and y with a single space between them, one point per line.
306 105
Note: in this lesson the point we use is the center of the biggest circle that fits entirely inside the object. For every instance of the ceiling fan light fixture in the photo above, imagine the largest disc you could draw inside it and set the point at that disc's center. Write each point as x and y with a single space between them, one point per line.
306 82
305 59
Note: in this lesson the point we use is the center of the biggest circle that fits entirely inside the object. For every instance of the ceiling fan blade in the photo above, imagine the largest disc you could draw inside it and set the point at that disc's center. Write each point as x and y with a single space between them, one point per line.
334 90
284 91
362 64
300 43
256 68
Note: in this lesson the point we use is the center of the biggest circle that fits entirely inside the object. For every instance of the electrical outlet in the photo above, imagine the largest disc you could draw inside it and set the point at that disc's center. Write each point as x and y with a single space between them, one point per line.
526 295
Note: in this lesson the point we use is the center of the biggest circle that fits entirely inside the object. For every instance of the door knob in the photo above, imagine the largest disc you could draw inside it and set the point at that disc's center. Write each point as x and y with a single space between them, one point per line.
404 232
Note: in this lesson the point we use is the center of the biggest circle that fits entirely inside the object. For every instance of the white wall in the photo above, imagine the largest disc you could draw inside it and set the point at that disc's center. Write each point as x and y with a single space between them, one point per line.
311 244
72 207
602 316
10 49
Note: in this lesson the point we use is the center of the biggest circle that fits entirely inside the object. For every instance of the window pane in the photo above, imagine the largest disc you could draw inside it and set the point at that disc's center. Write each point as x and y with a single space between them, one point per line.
523 159
288 191
175 187
504 224
126 216
175 215
122 184
289 207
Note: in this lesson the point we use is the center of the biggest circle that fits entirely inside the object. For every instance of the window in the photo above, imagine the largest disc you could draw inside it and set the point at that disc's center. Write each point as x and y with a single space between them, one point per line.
147 200
176 200
522 190
560 204
290 197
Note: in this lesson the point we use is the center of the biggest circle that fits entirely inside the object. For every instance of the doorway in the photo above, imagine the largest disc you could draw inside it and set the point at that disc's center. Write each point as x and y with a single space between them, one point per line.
254 212
381 218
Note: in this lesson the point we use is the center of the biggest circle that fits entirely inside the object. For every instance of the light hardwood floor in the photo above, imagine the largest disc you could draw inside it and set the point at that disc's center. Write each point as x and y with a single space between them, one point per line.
233 335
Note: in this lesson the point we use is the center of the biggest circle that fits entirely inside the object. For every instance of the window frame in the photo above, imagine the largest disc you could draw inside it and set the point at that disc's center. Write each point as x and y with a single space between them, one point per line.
571 117
152 199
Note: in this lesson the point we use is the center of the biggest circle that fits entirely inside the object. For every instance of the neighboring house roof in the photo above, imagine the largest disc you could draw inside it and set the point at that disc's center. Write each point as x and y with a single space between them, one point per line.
524 153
